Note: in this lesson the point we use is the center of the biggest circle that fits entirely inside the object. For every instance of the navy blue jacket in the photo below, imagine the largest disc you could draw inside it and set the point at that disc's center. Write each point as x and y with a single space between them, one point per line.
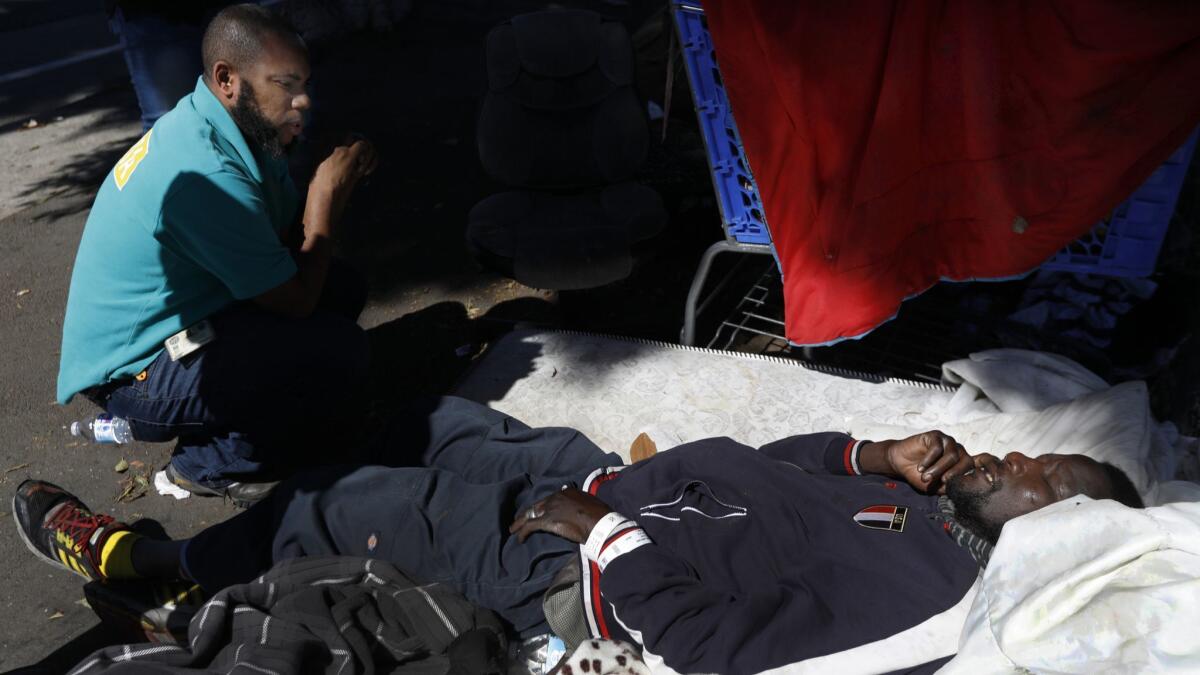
762 558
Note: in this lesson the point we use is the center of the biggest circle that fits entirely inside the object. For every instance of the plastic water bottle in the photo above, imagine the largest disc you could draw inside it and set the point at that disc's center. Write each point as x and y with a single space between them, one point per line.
556 649
103 429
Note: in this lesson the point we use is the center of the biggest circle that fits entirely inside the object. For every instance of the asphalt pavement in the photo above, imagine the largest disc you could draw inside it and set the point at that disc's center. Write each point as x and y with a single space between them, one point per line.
40 610
59 127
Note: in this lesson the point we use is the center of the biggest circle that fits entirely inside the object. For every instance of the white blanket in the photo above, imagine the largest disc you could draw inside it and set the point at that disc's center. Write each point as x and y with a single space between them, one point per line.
1089 587
1082 586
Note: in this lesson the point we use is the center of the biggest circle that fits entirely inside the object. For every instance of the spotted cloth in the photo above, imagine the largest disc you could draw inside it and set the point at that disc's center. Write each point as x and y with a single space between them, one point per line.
324 615
603 657
979 548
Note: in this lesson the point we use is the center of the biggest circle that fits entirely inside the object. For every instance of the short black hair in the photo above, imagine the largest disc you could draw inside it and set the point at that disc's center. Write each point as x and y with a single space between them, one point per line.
236 33
1123 490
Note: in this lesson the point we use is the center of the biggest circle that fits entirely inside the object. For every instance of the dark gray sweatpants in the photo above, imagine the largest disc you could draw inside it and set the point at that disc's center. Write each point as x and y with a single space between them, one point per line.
443 485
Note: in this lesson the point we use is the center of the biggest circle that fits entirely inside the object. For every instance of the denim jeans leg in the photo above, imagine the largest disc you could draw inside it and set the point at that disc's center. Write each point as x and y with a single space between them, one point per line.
268 393
162 404
288 388
163 58
166 404
215 460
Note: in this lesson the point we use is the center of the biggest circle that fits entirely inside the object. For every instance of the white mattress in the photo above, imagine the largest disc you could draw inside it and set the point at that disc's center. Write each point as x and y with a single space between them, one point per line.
613 388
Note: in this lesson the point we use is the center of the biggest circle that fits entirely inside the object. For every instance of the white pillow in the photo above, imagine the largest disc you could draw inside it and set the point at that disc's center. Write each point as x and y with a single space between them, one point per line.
1020 380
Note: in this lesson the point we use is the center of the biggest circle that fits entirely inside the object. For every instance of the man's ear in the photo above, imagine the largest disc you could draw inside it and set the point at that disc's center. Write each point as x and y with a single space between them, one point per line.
225 80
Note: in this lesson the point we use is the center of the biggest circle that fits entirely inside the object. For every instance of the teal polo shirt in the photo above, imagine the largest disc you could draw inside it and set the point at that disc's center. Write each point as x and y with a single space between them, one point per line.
188 221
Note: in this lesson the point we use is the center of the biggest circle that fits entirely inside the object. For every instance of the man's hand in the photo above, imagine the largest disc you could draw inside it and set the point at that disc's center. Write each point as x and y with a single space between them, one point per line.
570 514
926 461
336 177
328 192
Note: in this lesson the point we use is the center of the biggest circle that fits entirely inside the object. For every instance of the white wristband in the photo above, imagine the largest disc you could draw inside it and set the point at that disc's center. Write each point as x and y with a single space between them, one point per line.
858 446
601 532
633 539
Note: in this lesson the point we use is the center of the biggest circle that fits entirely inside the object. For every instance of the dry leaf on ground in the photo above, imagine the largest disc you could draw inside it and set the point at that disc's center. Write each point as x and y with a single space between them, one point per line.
642 448
134 486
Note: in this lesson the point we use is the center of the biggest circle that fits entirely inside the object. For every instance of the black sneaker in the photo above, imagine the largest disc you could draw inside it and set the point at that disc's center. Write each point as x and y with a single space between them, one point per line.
144 610
60 529
243 495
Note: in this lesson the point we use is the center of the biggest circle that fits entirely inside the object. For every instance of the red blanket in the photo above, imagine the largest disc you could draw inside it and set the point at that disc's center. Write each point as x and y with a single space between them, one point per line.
896 143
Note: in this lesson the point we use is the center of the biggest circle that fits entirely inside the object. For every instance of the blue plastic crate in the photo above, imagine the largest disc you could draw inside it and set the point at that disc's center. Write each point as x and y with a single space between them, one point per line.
1126 244
737 194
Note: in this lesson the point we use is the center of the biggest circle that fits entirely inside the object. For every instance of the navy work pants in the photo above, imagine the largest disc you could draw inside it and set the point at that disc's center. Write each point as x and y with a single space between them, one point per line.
262 398
459 473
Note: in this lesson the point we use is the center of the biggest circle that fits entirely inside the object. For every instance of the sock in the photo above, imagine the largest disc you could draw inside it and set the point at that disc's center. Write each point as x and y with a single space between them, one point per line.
116 555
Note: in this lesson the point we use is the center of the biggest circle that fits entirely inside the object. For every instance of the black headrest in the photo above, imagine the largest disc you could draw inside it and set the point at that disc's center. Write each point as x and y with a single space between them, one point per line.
565 241
540 50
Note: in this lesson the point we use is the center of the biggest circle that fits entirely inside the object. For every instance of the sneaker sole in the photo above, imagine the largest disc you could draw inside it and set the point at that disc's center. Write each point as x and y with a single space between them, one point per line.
34 550
244 503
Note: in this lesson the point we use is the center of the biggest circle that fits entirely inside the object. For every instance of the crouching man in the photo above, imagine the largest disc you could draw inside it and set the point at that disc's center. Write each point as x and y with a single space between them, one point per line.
203 304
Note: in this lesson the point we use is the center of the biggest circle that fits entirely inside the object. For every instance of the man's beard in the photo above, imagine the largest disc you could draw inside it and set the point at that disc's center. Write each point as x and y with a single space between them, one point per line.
257 129
970 509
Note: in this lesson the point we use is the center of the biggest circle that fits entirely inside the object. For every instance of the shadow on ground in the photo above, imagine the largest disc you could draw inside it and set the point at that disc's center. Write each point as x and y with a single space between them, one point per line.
70 151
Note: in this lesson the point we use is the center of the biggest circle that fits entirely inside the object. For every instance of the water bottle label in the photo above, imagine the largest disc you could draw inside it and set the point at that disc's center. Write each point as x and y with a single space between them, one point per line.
104 431
556 649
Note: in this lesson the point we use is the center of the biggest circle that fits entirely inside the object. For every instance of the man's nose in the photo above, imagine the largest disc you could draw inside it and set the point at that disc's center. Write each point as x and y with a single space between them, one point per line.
301 102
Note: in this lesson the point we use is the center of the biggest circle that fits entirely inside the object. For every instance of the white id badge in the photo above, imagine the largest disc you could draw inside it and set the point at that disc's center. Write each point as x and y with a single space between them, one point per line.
189 339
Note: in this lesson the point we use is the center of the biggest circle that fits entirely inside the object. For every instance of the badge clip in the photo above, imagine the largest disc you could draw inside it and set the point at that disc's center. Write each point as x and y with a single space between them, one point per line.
189 339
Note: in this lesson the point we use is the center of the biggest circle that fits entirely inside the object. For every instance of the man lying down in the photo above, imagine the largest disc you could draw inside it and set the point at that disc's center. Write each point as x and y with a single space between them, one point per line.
714 556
